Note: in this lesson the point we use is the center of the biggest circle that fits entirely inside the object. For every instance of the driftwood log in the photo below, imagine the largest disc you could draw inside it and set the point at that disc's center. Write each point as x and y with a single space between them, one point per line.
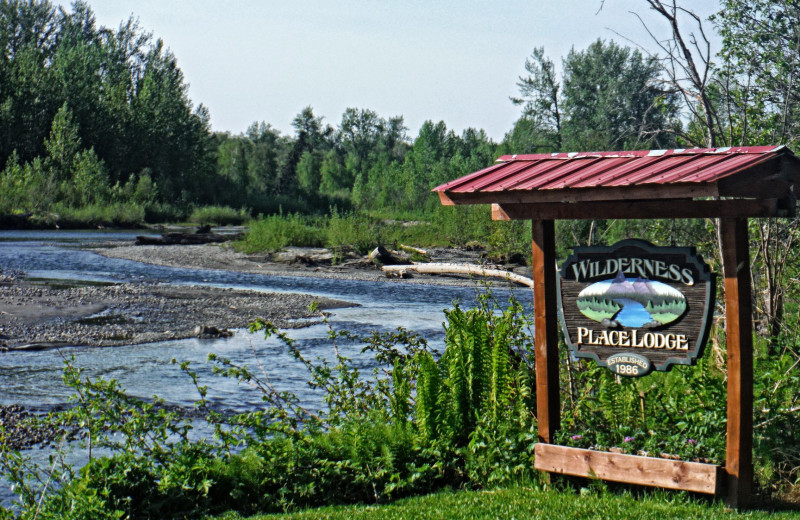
470 269
383 257
412 249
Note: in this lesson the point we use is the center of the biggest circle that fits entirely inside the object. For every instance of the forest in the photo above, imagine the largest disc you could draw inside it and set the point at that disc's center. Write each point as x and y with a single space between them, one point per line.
96 125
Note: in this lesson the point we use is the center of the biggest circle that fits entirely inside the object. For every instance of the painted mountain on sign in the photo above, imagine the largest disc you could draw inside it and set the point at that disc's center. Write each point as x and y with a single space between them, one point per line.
631 302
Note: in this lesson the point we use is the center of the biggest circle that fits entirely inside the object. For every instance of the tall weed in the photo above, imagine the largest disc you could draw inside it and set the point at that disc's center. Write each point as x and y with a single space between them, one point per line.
276 232
352 230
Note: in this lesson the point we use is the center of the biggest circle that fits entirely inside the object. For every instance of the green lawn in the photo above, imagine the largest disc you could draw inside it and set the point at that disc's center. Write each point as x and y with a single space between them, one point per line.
525 503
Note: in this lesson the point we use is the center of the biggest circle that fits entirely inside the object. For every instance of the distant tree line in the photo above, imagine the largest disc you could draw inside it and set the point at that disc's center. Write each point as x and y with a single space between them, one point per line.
93 116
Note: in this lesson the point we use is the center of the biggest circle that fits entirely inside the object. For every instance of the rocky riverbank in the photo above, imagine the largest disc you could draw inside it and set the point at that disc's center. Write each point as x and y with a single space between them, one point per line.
35 315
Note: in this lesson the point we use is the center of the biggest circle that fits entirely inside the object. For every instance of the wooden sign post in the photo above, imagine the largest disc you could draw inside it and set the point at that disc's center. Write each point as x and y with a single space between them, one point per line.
739 340
548 400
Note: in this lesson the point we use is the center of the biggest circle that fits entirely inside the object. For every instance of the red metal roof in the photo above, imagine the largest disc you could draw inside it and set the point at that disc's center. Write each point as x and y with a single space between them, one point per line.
567 171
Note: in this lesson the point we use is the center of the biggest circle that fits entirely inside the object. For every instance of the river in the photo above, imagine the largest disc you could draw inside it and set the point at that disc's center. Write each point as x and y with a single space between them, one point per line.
33 379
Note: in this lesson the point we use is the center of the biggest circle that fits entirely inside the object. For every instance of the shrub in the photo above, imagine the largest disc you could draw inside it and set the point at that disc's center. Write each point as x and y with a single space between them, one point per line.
369 443
275 232
352 230
419 422
219 216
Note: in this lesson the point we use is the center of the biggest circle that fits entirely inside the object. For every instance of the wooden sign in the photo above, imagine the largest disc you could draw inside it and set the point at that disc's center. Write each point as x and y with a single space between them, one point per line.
634 307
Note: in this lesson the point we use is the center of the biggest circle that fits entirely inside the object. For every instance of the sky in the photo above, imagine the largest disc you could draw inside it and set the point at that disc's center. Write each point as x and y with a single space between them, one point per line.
456 61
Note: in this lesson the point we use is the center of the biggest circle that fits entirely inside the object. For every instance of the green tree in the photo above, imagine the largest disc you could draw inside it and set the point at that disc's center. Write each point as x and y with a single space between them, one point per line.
335 180
309 172
28 39
611 99
540 97
62 144
758 79
90 181
264 158
67 84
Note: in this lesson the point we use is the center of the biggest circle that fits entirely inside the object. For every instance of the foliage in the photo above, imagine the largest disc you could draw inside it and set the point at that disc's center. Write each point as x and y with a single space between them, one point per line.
610 99
420 421
70 87
680 413
352 230
275 232
362 232
377 437
758 75
219 216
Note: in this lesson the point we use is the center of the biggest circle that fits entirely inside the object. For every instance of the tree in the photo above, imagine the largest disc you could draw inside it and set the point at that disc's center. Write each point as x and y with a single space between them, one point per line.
759 77
308 172
126 98
63 144
311 132
334 178
27 102
611 98
539 95
263 161
750 98
360 130
90 181
689 70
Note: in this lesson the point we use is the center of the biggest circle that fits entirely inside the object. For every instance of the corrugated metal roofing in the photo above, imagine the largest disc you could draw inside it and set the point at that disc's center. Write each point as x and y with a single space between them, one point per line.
565 171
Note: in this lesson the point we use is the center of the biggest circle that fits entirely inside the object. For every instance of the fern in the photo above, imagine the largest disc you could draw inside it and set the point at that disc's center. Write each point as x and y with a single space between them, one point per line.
400 399
501 359
428 384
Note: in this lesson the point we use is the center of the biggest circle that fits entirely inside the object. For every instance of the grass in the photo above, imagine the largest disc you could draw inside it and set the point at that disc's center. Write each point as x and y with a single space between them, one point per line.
117 214
536 504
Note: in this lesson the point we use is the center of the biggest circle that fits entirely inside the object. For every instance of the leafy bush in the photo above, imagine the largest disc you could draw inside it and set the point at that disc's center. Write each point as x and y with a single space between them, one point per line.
420 421
219 216
352 230
275 232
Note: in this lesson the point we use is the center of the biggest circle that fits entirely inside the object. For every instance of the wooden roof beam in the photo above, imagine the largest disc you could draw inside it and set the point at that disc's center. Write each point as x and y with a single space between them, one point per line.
615 194
645 209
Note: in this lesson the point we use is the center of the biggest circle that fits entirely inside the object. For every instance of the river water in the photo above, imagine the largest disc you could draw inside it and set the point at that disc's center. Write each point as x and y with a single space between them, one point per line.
33 379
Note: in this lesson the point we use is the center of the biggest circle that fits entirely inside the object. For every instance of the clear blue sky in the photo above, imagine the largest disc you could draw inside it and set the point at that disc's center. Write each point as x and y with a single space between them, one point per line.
456 61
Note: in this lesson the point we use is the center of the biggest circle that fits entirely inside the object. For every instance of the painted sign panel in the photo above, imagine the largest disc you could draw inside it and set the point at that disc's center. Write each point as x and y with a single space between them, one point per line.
633 307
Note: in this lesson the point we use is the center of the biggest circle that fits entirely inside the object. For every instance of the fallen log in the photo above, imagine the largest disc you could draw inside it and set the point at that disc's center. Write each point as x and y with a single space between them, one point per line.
383 257
470 269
